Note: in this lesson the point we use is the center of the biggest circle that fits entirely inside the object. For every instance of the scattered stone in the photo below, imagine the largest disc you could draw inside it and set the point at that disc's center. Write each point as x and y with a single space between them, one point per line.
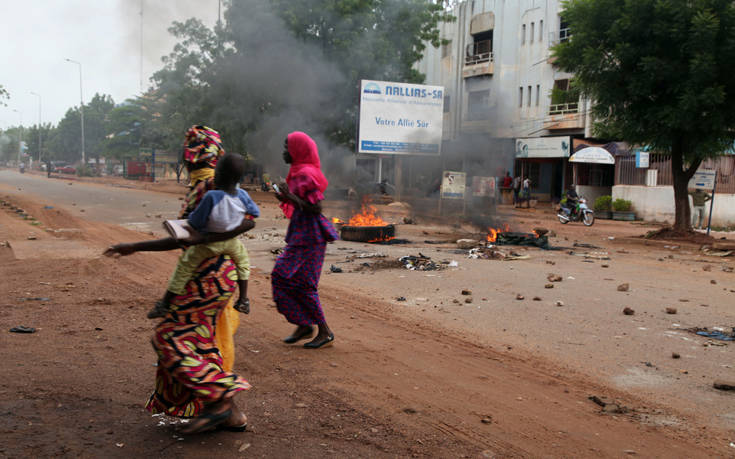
549 262
670 310
675 355
520 297
410 410
549 286
536 298
466 292
335 269
32 237
614 409
159 216
707 268
628 311
683 300
373 430
724 385
713 282
243 447
487 420
401 298
623 287
554 278
468 300
559 303
301 405
455 301
629 452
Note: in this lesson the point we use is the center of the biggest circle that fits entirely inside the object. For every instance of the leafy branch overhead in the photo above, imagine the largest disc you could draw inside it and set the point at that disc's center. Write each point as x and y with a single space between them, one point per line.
659 73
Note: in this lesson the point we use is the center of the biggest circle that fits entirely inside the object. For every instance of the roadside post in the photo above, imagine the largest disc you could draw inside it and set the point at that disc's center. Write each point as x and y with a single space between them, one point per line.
706 180
452 187
153 165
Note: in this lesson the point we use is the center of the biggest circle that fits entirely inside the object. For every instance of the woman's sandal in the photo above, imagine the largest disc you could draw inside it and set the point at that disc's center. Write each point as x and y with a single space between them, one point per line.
243 306
213 420
298 336
321 343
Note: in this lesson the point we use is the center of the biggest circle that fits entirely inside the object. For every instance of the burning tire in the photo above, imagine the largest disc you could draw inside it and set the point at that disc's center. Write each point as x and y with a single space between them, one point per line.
368 233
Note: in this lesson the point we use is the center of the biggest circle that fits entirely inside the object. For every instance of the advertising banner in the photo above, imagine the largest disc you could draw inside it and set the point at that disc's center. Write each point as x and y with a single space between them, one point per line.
453 185
543 147
400 118
483 186
703 180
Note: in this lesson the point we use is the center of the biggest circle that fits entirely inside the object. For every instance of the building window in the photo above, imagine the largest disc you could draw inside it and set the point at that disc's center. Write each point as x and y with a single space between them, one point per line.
481 48
528 102
531 33
478 105
447 101
520 97
538 94
523 34
541 30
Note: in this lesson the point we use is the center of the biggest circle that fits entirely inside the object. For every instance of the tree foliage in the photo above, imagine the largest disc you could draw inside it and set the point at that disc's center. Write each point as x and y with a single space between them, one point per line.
659 73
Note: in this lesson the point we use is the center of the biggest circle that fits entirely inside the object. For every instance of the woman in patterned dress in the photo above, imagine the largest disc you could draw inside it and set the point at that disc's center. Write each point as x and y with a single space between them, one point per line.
190 380
295 276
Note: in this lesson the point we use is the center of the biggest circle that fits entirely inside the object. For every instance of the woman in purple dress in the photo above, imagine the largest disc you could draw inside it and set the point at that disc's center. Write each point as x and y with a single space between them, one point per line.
295 276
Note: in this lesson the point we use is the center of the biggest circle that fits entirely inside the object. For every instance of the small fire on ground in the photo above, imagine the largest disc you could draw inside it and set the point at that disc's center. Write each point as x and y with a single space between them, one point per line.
493 233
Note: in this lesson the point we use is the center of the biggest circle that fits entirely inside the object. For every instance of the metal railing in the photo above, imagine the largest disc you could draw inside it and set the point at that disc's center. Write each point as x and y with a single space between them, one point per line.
627 174
479 52
563 109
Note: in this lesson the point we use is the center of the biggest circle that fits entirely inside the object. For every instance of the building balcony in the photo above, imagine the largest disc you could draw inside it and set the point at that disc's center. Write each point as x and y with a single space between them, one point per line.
564 117
478 59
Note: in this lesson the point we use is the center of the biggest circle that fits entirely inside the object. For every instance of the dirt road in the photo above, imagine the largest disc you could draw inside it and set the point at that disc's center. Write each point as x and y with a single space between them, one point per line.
497 377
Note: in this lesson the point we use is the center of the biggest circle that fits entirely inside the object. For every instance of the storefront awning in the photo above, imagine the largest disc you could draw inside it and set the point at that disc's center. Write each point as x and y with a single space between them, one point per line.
592 155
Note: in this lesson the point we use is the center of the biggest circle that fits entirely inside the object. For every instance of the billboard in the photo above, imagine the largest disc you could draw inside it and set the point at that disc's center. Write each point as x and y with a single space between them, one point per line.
400 118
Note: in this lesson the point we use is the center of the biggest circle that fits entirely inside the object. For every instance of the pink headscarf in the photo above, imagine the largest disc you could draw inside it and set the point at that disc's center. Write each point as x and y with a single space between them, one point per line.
304 162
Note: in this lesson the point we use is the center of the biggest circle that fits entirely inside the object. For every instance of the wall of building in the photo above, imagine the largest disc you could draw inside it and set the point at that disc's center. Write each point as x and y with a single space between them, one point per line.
656 204
518 63
593 192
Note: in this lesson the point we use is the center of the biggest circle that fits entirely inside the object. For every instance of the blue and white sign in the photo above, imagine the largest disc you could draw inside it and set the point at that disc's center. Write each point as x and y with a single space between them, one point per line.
400 118
642 159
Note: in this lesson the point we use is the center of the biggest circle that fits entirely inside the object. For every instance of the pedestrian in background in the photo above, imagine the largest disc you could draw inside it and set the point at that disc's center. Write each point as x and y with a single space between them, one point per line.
516 190
699 198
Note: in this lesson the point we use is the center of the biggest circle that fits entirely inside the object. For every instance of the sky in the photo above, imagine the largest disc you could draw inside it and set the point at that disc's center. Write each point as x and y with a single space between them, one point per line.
104 35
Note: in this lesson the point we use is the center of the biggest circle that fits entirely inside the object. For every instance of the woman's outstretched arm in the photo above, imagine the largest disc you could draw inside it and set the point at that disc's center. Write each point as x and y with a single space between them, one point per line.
169 243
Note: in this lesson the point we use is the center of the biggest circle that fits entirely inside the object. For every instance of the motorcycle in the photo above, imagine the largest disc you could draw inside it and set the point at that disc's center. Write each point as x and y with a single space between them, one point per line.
580 212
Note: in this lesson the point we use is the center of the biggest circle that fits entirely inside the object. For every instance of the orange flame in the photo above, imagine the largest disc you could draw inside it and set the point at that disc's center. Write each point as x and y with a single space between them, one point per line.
492 235
336 220
367 217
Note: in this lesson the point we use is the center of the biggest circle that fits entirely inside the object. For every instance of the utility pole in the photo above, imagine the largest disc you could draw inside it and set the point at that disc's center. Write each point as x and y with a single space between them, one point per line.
20 134
81 106
140 64
40 150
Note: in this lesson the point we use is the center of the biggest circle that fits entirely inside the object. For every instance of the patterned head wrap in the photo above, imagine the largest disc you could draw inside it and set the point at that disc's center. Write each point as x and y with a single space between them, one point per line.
203 147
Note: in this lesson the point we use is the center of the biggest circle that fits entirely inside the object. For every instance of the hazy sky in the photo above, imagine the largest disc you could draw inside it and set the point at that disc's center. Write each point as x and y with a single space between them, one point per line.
104 35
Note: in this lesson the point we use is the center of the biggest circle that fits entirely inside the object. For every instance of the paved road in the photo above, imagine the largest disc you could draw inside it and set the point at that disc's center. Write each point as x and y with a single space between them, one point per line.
136 209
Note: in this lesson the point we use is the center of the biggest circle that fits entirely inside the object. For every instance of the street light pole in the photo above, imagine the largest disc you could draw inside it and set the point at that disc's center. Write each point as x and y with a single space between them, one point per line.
20 133
39 126
81 105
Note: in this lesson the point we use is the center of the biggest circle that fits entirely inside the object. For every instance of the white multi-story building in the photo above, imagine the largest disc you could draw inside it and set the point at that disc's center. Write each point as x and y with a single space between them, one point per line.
506 105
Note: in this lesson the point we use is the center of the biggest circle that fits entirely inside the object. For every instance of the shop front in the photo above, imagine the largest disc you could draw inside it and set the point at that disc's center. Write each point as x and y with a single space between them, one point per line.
544 161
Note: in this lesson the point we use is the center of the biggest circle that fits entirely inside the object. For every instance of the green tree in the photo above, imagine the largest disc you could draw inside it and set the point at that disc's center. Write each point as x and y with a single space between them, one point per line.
660 73
32 137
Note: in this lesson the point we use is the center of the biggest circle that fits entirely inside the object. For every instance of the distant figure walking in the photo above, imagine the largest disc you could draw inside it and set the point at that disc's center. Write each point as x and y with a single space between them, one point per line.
295 276
516 190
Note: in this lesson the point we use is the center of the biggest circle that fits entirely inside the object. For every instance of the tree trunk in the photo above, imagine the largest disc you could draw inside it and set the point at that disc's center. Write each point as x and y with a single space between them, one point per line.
681 176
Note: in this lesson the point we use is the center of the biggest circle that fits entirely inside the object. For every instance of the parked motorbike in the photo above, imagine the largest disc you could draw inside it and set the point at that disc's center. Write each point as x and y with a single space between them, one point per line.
579 213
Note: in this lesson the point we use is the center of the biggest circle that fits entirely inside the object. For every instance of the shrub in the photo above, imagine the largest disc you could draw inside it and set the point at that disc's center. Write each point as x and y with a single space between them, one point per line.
622 205
85 171
603 203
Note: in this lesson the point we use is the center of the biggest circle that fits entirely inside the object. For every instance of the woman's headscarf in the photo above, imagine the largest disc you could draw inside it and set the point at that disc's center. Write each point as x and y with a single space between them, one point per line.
202 149
304 162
